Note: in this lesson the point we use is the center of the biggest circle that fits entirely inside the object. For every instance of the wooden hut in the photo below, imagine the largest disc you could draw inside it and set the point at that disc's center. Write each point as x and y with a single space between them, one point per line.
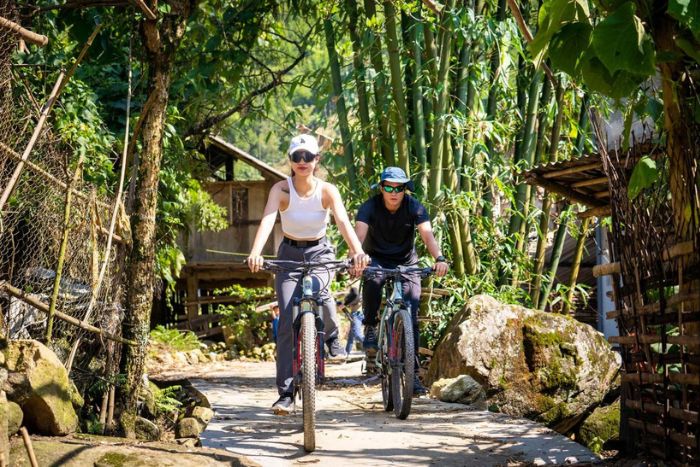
215 259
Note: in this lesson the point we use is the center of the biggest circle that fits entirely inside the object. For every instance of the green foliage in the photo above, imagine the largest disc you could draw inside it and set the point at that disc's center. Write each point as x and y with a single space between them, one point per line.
166 401
246 328
174 339
644 175
687 12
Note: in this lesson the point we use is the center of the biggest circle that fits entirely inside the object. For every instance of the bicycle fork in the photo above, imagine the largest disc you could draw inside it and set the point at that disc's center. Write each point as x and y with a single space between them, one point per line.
301 306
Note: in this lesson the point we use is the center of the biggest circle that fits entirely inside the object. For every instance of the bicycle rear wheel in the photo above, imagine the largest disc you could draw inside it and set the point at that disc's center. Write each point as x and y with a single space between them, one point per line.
308 388
403 366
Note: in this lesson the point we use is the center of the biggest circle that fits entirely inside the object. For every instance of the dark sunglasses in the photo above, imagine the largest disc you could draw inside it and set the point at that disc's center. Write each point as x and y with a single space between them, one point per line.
298 156
394 189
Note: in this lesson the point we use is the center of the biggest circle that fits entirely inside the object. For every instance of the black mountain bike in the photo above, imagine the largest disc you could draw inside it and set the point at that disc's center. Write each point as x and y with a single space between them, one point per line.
308 352
396 356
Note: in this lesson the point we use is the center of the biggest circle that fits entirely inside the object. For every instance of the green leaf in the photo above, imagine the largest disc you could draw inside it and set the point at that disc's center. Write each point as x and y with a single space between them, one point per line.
568 46
552 16
598 78
688 46
621 43
687 12
643 176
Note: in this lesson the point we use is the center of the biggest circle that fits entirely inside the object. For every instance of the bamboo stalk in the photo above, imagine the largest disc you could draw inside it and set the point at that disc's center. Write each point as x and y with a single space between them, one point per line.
27 35
9 188
392 44
103 410
141 5
44 308
110 410
577 263
341 110
62 251
557 249
607 269
49 178
417 102
30 448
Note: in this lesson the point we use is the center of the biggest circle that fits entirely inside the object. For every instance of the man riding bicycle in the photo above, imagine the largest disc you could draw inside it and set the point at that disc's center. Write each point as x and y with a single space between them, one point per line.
386 225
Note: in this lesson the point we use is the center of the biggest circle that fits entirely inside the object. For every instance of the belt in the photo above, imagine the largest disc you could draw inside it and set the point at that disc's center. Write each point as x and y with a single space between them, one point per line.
303 243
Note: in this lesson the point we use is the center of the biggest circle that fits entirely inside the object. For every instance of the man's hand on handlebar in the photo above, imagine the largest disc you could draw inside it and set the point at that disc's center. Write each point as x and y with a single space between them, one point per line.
441 268
255 262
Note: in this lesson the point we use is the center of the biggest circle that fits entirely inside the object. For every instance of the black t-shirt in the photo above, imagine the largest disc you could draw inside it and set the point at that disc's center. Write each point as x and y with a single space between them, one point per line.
391 237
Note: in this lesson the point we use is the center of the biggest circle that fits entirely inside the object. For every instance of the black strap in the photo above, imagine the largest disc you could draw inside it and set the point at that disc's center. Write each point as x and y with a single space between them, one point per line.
302 243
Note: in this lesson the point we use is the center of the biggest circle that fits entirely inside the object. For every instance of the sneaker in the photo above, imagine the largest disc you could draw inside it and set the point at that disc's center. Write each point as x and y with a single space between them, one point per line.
418 388
335 350
370 341
284 405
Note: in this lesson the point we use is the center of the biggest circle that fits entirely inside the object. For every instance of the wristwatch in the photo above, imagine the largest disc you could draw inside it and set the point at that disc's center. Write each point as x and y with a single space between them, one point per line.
440 259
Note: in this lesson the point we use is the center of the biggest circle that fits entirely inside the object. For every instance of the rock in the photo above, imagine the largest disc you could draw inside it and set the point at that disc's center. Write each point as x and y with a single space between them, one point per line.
189 427
13 414
462 389
601 426
39 384
148 396
181 358
542 366
188 442
147 430
203 415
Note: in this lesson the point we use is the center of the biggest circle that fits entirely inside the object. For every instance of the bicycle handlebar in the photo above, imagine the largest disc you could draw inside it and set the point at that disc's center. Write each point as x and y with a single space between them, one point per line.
290 265
397 272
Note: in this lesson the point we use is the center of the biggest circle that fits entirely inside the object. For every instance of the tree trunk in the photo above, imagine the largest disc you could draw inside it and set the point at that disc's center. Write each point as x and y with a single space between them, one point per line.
393 47
345 133
161 39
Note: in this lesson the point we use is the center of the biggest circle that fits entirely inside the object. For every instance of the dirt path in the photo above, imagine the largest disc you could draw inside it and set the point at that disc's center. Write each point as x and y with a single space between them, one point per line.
353 429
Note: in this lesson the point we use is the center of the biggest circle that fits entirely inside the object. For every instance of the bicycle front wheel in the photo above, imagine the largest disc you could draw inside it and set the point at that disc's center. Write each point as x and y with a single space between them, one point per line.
402 363
385 370
308 389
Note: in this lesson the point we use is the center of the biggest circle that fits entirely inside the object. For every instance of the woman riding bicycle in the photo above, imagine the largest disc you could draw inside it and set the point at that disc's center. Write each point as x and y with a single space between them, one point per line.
304 202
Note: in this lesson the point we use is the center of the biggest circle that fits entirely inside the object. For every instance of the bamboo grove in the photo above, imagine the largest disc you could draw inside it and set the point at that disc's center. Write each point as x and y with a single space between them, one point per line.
449 93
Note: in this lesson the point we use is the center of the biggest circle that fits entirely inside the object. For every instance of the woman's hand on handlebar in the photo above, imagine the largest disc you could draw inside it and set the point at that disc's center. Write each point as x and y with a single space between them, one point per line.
255 262
359 262
441 268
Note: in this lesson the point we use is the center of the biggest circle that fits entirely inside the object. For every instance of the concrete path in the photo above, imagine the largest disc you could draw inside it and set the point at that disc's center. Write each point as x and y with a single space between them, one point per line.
353 429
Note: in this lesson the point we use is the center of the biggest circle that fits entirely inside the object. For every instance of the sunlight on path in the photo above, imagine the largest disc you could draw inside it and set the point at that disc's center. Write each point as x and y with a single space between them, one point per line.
352 428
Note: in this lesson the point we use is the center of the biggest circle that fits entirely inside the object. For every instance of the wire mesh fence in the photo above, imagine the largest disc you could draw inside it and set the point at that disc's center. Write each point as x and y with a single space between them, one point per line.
54 231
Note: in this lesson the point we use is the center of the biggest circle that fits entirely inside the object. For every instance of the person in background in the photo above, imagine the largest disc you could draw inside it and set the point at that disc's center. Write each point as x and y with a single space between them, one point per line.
386 224
351 308
275 318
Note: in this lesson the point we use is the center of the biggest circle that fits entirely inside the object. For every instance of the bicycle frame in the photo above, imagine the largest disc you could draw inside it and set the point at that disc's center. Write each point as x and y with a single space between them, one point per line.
393 304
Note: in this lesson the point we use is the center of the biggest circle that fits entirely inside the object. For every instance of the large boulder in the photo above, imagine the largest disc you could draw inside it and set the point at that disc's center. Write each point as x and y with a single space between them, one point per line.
543 366
602 426
39 384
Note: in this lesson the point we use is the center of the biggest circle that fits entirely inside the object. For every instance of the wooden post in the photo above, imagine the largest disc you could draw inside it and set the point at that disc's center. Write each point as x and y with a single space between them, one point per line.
62 250
28 445
192 289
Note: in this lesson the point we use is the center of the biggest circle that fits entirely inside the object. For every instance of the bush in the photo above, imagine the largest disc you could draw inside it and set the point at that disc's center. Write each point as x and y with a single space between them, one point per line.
175 339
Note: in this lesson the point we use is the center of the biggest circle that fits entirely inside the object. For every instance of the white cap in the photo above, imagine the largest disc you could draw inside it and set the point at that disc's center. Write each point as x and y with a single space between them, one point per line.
303 143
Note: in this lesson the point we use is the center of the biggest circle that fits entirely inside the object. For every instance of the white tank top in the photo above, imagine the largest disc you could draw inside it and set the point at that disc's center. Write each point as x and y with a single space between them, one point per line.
304 218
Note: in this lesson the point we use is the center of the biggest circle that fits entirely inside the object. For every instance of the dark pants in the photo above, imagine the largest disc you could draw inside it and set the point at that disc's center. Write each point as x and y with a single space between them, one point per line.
372 292
355 333
288 286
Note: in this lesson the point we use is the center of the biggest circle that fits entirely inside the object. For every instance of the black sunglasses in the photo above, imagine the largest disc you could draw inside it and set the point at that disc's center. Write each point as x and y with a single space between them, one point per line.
394 189
306 156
